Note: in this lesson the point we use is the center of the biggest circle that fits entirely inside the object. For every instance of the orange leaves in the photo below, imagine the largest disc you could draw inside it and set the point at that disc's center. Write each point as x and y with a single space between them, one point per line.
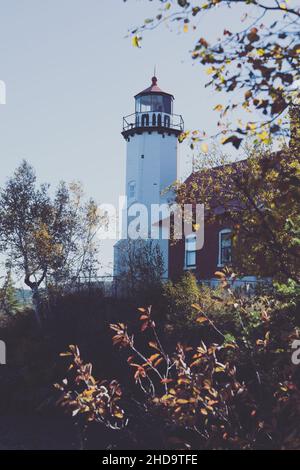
252 35
158 362
153 357
201 320
146 319
220 274
121 338
140 372
93 400
225 276
203 43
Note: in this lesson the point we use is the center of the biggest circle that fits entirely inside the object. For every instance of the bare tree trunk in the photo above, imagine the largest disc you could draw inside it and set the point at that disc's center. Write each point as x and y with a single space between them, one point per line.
36 299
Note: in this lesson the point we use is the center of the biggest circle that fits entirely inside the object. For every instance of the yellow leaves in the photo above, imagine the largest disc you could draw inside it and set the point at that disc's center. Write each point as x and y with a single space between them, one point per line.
136 41
167 397
251 126
210 70
168 6
272 176
201 320
183 381
185 28
119 414
219 369
204 148
89 393
295 165
283 6
260 52
196 307
183 136
264 137
182 401
219 107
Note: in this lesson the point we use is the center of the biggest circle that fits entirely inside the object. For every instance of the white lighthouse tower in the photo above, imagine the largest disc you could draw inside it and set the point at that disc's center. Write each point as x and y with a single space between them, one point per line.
151 134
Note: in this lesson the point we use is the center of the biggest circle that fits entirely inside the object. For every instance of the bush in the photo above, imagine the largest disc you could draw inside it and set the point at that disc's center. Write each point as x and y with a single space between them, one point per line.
241 394
177 301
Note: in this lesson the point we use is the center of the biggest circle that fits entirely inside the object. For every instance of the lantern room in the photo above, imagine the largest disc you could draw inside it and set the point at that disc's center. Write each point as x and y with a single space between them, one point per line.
153 111
153 99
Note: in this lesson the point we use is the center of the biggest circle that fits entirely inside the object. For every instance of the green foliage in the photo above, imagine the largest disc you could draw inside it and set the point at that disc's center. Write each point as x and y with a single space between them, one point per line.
8 296
289 293
242 394
260 196
178 298
48 238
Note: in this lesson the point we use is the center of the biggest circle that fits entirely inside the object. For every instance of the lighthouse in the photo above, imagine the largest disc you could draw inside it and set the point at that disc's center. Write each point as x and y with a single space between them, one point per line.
151 135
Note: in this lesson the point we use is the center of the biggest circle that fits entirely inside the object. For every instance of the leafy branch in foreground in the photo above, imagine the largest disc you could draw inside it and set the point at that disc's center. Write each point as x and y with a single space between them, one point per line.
259 63
234 395
93 400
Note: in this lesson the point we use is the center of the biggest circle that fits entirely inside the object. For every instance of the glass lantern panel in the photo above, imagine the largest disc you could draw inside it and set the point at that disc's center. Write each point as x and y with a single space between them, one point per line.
154 103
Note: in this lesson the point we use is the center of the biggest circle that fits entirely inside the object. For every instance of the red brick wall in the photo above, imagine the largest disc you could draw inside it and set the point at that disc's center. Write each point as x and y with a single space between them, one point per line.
206 259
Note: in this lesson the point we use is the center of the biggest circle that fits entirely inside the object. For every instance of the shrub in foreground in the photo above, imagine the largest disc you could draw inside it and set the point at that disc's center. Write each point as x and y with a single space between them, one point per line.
236 394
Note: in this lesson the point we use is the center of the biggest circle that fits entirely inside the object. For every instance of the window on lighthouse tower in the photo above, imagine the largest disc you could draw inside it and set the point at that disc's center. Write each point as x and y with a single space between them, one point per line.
131 190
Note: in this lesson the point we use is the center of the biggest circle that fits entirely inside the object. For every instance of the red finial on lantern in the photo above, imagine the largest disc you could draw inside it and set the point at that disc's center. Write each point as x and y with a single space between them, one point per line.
154 81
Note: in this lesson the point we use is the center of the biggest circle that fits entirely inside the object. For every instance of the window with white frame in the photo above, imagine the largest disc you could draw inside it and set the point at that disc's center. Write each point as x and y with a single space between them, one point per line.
225 247
131 190
190 251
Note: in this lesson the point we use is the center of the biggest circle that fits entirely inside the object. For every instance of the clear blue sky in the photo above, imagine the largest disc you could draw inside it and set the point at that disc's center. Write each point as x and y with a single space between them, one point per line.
71 76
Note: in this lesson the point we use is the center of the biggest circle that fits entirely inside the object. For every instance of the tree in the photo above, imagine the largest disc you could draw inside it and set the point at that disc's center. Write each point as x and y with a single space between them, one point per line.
260 200
141 265
259 63
46 237
8 295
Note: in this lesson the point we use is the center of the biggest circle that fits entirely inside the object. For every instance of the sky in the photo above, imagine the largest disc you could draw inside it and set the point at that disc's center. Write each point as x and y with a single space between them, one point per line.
71 75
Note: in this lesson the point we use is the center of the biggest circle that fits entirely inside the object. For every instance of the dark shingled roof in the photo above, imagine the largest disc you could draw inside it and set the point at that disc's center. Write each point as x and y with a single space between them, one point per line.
154 88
